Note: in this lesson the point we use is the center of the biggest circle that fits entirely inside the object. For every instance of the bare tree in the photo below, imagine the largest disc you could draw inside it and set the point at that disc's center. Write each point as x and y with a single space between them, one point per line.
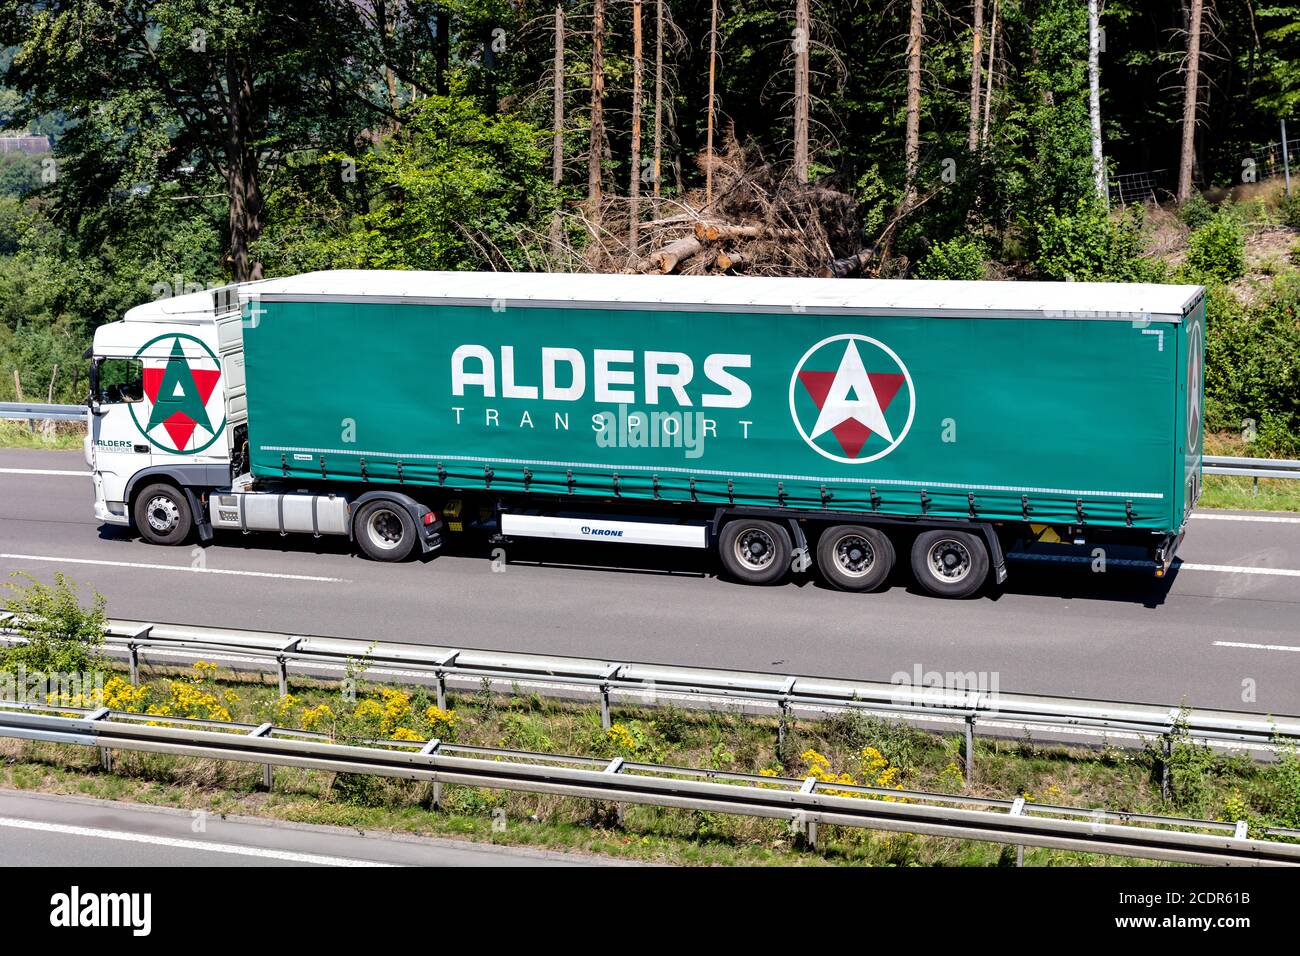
708 139
659 101
802 27
634 185
912 134
1094 95
976 69
557 120
1191 69
988 94
596 148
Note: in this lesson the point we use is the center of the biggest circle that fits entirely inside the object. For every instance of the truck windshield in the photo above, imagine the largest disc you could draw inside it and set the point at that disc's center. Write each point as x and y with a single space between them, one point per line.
120 380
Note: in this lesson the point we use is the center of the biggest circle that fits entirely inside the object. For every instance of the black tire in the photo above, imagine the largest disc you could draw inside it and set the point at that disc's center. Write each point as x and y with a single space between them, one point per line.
384 530
162 514
951 564
754 551
854 558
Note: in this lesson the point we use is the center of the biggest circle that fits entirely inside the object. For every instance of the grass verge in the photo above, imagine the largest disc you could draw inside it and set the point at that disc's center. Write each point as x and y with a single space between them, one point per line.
844 748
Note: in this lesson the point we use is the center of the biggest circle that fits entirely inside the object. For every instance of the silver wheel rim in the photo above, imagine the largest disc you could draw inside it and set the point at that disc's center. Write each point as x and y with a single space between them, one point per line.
854 556
755 549
949 560
384 529
162 514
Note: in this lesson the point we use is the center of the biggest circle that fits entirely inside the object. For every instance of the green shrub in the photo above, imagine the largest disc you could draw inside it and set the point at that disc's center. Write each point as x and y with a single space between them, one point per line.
1218 250
61 635
958 258
1089 244
1288 210
1196 212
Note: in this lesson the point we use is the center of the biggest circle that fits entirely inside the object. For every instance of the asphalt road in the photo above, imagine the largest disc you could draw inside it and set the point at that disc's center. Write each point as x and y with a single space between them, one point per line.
1222 631
52 830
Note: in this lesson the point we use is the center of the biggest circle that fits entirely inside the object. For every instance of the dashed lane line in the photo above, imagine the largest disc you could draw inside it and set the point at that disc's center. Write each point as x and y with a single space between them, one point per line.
172 567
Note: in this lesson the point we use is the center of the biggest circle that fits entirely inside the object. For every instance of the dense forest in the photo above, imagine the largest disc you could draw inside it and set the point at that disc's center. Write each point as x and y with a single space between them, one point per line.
198 142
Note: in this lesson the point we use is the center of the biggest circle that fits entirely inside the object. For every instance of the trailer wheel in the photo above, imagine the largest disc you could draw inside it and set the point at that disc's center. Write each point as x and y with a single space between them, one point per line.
854 558
162 514
950 563
385 531
754 551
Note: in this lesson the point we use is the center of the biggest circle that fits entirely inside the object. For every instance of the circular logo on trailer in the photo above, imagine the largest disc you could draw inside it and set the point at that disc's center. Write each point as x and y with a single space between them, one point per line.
1195 367
852 399
181 411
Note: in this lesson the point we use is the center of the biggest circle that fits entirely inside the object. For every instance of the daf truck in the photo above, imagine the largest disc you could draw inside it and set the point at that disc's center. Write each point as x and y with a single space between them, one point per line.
839 425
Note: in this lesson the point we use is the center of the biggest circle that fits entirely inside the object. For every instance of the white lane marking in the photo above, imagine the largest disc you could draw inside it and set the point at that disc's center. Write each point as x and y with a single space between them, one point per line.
1257 647
1265 518
173 567
42 471
1234 569
182 844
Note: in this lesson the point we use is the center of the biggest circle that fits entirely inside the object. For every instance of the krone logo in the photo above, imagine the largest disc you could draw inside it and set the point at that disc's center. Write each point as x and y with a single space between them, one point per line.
182 412
851 397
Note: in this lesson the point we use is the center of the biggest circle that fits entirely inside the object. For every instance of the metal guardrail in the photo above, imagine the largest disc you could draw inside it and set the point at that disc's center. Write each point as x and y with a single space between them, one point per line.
28 411
654 684
1251 467
807 803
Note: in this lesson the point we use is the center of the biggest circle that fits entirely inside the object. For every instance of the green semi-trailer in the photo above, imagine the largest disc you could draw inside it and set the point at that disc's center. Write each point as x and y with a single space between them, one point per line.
781 421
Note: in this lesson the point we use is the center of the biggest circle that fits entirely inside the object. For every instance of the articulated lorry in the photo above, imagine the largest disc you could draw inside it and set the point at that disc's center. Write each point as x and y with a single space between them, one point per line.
786 424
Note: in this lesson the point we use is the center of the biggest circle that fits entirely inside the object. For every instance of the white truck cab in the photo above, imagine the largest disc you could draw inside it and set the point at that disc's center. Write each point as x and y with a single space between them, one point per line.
164 404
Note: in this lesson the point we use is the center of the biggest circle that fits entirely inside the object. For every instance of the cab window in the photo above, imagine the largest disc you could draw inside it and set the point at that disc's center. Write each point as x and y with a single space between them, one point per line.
120 380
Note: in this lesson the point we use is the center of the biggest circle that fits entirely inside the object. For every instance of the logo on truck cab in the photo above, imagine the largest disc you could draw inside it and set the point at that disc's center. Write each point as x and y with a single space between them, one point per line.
852 399
181 410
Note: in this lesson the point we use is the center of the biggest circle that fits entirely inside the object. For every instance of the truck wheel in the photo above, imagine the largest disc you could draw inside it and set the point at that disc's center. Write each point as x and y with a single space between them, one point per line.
854 558
950 563
753 551
385 531
162 514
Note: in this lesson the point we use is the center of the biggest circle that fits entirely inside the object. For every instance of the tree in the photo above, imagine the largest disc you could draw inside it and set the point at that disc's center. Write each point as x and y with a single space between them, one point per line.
912 137
802 27
557 120
1094 95
976 72
596 144
634 180
1191 75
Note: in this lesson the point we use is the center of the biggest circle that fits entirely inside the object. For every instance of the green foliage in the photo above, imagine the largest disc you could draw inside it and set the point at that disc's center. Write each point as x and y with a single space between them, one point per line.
1288 209
454 188
958 258
60 633
1217 250
1090 244
1252 367
1196 211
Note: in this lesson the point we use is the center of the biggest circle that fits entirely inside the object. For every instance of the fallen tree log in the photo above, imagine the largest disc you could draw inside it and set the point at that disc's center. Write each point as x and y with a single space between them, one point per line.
667 258
706 231
725 261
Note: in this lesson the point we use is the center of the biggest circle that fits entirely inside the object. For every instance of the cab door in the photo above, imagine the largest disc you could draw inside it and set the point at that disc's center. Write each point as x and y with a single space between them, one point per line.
117 448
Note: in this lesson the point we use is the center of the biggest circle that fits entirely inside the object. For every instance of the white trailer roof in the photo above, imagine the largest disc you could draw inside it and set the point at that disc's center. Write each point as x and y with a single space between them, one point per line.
745 293
1096 300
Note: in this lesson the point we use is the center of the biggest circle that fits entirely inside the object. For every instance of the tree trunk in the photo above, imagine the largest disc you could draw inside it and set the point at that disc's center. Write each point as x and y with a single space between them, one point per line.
976 71
667 259
1094 96
596 147
708 139
634 185
802 24
242 178
659 101
988 94
1187 162
912 136
557 120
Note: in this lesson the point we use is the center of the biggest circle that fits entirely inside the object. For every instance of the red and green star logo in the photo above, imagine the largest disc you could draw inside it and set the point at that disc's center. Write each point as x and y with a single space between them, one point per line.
178 389
851 399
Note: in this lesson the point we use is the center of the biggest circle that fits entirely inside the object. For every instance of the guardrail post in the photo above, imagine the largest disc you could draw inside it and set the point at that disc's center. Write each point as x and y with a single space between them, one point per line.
970 749
783 720
442 690
620 809
133 652
1168 751
283 662
611 672
428 750
805 825
105 755
1018 808
268 771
